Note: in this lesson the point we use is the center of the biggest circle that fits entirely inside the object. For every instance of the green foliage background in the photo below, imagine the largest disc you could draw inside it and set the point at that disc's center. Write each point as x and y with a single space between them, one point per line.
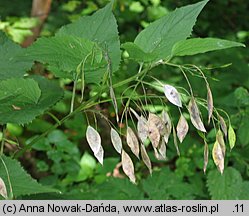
64 161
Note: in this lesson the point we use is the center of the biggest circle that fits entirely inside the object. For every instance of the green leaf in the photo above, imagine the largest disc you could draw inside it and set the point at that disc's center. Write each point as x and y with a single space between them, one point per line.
231 137
226 186
65 53
160 36
102 28
21 181
24 113
244 191
201 45
10 64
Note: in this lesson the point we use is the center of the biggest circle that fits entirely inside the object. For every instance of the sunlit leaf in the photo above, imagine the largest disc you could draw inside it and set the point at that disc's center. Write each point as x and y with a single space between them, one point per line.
132 142
182 128
116 140
93 139
195 115
231 137
175 141
223 126
145 158
168 125
142 128
172 95
3 191
128 166
114 102
205 156
100 155
209 103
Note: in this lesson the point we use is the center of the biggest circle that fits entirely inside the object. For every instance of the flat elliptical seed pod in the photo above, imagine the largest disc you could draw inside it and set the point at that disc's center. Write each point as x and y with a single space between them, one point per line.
182 128
231 137
100 155
223 126
206 153
116 140
145 157
158 122
162 149
168 125
93 139
132 142
172 95
154 134
209 103
142 129
195 115
128 166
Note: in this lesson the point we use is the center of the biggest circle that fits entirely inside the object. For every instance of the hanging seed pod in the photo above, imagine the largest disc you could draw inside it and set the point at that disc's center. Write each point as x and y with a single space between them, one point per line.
172 95
142 129
100 155
128 166
231 136
206 153
3 191
93 139
145 158
209 103
218 156
168 125
195 115
223 126
220 139
154 134
182 128
162 149
158 156
132 142
175 141
158 122
114 102
116 140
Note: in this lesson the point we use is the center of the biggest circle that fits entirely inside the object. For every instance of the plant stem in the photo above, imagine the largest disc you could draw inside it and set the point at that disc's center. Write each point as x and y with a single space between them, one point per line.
3 139
73 96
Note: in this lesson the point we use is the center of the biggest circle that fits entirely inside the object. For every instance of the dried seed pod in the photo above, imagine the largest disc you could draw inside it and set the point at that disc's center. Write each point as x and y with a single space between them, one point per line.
223 126
168 125
114 101
182 128
100 155
116 140
158 122
128 166
175 141
231 136
172 95
209 103
142 128
206 153
3 191
220 139
218 156
132 142
162 149
154 134
195 115
93 139
145 158
158 156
